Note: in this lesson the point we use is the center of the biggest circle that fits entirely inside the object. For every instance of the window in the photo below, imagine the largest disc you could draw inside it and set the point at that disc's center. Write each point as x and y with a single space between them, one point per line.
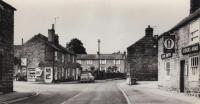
103 62
194 32
194 65
102 68
56 55
117 62
89 61
79 61
119 69
63 58
63 72
168 66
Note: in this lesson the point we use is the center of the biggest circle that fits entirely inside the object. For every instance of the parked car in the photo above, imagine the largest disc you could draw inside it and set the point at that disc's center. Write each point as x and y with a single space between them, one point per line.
87 77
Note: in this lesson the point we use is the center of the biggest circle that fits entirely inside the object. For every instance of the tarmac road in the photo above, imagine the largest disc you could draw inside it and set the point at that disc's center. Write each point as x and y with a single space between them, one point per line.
100 92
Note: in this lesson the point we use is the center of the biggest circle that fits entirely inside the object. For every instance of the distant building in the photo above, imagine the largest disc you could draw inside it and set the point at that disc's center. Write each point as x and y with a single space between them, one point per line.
108 62
6 47
44 59
180 70
142 57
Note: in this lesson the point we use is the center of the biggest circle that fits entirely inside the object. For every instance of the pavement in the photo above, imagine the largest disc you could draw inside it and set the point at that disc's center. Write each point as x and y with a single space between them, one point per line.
147 92
15 97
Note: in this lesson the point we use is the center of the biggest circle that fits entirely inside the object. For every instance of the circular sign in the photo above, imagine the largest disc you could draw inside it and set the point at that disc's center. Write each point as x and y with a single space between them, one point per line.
169 43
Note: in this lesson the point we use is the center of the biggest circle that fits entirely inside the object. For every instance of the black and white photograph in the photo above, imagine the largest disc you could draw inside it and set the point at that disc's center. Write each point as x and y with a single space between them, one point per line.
99 51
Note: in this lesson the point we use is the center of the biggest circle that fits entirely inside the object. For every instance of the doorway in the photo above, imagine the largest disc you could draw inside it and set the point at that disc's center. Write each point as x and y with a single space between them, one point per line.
182 79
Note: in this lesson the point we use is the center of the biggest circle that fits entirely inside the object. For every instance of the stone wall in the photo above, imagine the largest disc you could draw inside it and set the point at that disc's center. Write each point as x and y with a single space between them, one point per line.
6 49
142 57
172 82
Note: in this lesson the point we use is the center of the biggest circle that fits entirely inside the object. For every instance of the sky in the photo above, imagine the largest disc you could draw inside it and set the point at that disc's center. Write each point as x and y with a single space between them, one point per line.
117 23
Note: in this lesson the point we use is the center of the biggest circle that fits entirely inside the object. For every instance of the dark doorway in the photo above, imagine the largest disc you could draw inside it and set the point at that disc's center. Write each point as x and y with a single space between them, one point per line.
182 71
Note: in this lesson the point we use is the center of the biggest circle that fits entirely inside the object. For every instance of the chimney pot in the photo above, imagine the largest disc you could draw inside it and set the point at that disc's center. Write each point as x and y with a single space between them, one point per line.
149 31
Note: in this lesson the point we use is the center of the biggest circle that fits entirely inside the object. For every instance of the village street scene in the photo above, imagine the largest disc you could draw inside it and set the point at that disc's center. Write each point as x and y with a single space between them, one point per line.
99 52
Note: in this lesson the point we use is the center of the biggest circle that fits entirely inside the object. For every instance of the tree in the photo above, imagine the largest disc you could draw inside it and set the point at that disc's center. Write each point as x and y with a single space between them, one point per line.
76 46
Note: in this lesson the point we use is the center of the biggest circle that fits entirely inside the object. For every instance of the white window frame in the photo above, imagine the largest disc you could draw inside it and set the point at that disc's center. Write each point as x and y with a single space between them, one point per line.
194 68
79 61
63 58
56 55
103 62
89 62
194 33
118 62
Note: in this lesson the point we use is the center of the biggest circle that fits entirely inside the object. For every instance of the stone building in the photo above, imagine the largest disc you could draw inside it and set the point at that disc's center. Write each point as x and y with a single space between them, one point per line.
107 62
6 47
44 59
179 70
142 57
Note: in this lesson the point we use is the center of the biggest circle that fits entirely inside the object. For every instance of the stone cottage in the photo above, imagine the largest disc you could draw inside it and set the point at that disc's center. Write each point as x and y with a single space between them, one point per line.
179 70
90 62
6 47
44 59
142 57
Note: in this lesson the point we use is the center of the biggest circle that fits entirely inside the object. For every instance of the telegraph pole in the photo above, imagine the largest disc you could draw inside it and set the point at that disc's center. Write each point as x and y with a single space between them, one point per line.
99 41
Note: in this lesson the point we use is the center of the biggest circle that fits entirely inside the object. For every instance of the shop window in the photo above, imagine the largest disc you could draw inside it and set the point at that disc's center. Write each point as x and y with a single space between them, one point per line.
194 32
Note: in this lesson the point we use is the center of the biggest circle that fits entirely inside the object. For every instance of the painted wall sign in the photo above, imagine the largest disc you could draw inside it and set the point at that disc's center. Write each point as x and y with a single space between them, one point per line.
190 49
167 55
23 61
169 44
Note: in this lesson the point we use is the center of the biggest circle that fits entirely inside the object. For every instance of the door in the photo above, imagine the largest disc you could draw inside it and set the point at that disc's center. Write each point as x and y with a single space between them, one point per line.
182 71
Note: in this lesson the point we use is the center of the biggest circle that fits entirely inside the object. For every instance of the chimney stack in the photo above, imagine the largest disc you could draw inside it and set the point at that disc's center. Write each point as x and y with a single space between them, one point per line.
194 5
51 34
149 31
56 39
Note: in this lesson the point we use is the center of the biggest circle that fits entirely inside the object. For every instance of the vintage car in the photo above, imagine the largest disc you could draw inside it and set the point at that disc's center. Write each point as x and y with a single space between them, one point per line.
86 77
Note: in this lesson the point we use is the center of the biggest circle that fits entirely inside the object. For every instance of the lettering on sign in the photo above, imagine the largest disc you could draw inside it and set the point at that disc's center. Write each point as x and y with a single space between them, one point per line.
190 49
167 55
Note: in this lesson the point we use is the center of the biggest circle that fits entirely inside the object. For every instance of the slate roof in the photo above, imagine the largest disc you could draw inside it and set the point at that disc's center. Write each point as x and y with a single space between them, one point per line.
183 22
103 56
58 47
6 5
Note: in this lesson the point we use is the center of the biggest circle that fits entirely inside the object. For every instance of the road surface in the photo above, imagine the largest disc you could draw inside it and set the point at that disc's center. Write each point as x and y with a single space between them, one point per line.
100 92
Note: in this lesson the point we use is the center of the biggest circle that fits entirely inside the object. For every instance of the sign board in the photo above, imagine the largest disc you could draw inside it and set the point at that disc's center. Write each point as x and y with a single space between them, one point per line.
190 49
169 44
167 55
23 61
38 72
48 72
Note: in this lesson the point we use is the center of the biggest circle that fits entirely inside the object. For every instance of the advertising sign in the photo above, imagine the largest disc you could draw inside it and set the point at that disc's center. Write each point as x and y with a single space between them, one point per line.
23 61
48 74
167 55
38 72
191 49
169 44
